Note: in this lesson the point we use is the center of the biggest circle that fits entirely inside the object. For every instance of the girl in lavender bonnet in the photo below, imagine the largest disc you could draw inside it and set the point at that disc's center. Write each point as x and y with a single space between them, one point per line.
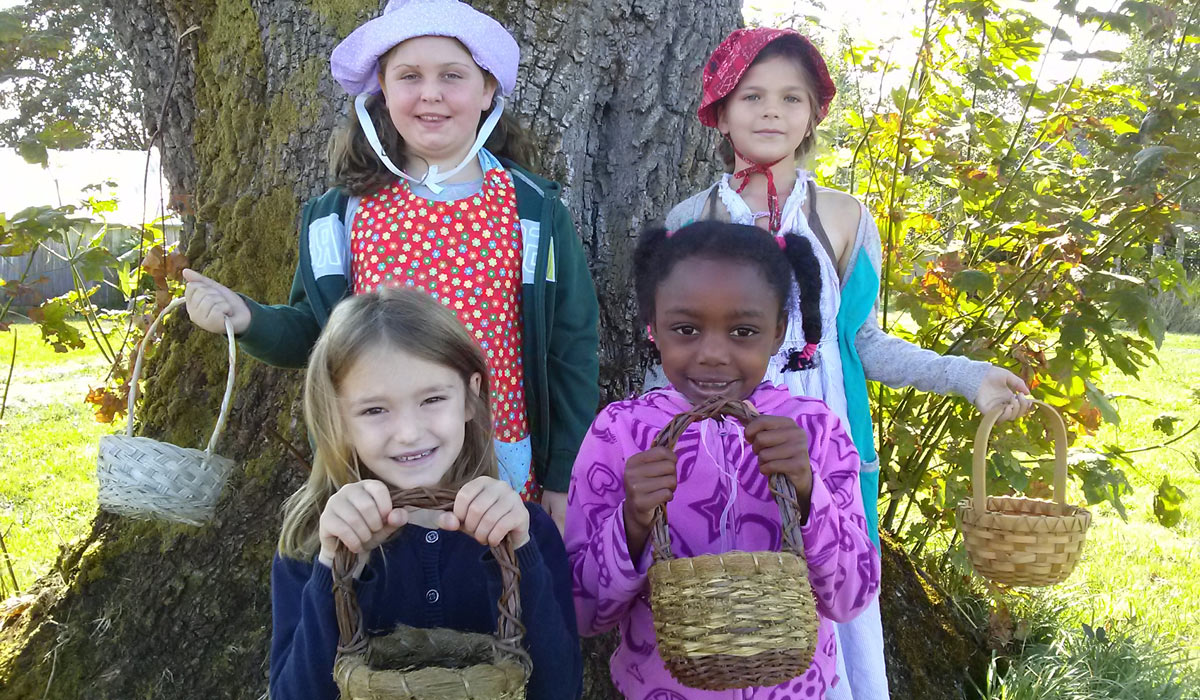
430 193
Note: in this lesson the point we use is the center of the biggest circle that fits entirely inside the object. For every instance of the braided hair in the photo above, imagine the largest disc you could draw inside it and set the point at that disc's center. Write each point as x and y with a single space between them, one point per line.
807 270
659 251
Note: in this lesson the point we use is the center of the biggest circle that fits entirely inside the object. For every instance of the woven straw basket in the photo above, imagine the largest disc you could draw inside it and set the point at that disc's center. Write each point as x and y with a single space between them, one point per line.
1022 541
144 478
430 664
737 619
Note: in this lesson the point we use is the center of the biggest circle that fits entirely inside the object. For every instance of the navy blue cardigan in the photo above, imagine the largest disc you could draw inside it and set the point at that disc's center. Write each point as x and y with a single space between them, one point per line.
428 578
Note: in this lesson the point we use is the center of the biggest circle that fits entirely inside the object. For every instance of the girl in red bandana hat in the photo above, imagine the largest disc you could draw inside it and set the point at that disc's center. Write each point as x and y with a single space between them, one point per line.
766 90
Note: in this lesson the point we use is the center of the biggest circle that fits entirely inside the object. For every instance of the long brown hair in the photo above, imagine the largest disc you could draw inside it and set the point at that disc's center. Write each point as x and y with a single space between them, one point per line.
403 319
355 167
791 51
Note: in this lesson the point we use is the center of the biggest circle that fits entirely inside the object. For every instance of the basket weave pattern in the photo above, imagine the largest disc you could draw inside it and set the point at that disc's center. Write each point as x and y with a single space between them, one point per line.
737 619
144 478
1022 541
430 664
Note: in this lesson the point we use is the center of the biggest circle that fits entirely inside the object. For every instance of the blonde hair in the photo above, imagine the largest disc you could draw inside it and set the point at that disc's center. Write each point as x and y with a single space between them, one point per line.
407 320
794 53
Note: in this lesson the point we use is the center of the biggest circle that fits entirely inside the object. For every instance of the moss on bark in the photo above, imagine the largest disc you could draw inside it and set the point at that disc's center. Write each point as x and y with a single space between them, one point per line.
932 651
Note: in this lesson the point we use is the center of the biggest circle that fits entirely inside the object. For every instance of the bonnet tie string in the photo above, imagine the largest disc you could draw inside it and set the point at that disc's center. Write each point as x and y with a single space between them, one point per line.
432 177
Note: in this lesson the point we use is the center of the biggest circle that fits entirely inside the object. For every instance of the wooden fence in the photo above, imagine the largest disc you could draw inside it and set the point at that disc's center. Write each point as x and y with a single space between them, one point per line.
50 274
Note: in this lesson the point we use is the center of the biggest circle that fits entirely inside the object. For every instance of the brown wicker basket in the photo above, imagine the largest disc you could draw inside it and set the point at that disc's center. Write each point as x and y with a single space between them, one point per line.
430 664
144 478
1022 541
737 619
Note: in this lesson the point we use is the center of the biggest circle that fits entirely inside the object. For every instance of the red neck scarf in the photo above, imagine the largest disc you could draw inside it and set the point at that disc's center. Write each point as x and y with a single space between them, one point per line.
774 209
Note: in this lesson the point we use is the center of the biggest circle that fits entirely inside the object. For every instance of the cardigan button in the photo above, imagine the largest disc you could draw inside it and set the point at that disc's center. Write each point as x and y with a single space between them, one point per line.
431 536
431 595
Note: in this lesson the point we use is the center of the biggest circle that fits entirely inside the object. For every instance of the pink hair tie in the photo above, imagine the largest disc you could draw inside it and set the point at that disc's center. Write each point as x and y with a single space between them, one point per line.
805 358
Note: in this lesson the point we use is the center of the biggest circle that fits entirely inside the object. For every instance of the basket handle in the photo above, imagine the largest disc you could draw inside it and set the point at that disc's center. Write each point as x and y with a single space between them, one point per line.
781 487
509 630
1059 430
137 374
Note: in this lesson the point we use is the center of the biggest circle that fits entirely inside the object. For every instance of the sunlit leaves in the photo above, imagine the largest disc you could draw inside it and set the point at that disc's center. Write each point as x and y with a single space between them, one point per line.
1167 503
1165 423
1101 402
26 229
1018 220
1101 479
973 282
68 81
51 317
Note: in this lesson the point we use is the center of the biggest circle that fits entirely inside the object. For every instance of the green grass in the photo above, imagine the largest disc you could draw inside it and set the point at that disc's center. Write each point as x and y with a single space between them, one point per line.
1140 569
1126 624
1117 662
48 440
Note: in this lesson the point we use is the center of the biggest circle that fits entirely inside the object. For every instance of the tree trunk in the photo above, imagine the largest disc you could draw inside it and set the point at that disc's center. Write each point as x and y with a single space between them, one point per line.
609 91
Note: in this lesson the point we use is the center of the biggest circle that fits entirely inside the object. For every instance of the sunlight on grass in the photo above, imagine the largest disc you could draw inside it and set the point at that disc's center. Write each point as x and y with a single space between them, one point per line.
48 442
1141 568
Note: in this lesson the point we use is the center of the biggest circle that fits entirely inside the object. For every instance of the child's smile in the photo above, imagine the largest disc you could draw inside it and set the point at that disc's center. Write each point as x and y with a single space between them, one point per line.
404 416
716 325
435 94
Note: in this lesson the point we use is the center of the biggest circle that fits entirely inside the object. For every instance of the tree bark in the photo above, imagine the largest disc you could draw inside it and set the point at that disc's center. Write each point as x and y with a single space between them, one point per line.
244 106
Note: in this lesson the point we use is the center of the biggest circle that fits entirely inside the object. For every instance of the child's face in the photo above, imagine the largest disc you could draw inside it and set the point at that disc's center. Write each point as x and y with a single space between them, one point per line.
435 94
405 417
769 113
716 325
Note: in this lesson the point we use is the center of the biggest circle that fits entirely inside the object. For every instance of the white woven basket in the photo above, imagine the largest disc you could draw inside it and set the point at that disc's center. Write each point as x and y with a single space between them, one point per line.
144 478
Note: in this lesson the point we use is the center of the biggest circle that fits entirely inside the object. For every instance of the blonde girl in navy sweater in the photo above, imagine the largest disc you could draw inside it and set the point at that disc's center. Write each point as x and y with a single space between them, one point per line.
396 397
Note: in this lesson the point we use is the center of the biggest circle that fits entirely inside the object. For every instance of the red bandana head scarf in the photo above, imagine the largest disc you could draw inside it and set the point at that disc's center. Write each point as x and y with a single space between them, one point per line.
725 68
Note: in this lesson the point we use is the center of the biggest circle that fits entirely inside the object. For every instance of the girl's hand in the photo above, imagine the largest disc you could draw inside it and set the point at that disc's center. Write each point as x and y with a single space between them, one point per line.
360 515
555 505
1000 387
650 481
209 302
782 448
489 510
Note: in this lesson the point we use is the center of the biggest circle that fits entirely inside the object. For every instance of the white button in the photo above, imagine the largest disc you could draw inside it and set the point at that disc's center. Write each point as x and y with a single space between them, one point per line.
431 536
431 595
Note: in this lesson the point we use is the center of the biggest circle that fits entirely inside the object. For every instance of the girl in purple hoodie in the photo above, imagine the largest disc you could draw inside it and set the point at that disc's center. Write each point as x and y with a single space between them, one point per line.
715 296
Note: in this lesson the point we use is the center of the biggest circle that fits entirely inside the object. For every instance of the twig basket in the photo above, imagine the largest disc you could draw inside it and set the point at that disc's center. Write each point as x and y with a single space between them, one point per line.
430 664
148 479
1022 541
737 619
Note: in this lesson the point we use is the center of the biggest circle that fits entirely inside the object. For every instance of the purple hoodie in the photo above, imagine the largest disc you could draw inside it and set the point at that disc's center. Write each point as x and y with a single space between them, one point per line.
722 503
